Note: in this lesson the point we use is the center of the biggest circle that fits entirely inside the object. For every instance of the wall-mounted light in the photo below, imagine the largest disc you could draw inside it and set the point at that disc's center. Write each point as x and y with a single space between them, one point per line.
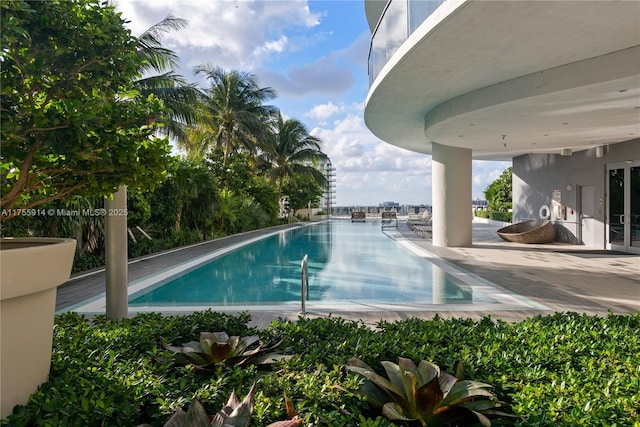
600 151
569 187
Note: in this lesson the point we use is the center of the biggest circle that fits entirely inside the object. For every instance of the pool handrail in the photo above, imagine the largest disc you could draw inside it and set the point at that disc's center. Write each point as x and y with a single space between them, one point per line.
304 282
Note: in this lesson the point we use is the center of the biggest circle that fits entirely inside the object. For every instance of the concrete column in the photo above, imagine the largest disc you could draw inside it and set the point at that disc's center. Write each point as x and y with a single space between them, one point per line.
116 255
451 196
438 285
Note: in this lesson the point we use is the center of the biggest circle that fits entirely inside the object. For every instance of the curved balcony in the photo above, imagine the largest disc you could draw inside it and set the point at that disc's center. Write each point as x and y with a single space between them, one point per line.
399 19
503 78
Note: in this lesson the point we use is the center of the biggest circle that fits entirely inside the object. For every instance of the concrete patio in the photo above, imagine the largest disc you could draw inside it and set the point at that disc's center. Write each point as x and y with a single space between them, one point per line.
561 277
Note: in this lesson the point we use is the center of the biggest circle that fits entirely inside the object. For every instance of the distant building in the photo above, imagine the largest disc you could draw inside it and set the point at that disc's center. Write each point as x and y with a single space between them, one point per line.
389 205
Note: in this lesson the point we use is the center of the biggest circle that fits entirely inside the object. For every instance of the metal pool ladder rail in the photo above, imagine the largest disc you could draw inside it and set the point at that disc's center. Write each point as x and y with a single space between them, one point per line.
304 282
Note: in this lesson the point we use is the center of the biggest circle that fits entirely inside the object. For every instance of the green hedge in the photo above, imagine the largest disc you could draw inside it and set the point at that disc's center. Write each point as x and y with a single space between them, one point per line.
142 247
481 213
500 216
560 370
495 215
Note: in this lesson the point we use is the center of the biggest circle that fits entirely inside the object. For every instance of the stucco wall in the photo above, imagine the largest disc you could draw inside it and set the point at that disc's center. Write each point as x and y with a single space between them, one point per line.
536 176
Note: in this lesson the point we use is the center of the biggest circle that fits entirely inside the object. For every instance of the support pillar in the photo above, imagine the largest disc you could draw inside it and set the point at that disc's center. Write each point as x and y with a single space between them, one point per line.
116 255
451 175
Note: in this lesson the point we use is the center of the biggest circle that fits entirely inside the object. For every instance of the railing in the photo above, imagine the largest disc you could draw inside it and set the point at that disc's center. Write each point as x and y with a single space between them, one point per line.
398 21
304 283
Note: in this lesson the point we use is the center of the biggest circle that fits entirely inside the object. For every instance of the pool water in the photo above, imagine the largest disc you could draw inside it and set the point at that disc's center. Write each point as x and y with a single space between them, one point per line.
348 263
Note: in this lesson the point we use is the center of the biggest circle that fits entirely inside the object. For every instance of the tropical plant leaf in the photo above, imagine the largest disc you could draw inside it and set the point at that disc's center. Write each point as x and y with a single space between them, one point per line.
407 370
393 411
463 391
384 384
428 397
196 415
447 381
218 348
427 371
179 419
441 400
236 413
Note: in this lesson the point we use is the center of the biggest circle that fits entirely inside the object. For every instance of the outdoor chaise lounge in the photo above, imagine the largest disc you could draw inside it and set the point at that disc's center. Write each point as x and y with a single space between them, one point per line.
421 224
532 231
421 219
358 216
389 219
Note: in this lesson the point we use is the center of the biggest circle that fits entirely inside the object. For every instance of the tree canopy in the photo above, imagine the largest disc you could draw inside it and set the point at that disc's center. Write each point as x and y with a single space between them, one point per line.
234 108
72 123
290 151
499 192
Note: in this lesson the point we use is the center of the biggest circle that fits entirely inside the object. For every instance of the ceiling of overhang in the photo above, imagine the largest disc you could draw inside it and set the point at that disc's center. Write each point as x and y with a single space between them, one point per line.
485 43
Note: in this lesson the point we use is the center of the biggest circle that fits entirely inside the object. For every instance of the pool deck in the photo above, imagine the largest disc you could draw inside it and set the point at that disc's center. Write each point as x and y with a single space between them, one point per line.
558 276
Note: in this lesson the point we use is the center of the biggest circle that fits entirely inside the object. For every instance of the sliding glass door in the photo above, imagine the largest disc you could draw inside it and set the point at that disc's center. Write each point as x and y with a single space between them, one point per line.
623 207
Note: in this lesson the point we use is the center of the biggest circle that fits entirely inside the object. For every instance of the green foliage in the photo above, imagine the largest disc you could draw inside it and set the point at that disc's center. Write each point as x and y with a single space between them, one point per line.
289 151
481 213
216 349
425 394
302 192
564 369
499 193
71 122
235 113
501 216
85 262
175 239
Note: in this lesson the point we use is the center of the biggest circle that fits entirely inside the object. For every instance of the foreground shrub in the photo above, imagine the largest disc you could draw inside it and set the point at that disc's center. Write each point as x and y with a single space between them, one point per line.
423 395
559 370
216 349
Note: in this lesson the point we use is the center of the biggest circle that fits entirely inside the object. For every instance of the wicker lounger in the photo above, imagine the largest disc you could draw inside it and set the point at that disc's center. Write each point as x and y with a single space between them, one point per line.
533 231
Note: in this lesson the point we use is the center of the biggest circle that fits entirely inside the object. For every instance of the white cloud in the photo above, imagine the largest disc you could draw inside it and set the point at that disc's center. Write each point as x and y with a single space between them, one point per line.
369 171
323 111
239 34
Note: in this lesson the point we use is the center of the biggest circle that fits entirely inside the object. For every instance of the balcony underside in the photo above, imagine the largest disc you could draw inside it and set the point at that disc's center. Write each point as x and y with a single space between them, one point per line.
506 78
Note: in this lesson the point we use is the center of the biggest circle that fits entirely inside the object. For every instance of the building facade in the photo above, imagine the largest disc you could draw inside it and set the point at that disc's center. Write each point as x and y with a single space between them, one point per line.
553 86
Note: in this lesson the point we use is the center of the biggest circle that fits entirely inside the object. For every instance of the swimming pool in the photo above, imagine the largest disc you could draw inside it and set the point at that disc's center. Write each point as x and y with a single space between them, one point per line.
352 266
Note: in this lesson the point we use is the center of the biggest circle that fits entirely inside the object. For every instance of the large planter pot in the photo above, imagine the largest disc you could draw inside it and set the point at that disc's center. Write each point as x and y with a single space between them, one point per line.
30 271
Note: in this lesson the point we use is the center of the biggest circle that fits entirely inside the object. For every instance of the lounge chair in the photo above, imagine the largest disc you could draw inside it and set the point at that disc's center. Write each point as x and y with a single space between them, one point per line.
422 230
389 219
358 216
532 231
424 219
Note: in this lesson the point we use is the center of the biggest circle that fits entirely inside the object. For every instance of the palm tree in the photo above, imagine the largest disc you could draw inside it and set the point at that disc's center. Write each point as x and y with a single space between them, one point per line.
180 97
291 151
234 104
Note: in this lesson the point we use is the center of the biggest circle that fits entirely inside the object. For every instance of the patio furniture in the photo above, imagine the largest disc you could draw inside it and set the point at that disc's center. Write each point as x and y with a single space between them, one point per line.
358 216
532 231
389 219
424 219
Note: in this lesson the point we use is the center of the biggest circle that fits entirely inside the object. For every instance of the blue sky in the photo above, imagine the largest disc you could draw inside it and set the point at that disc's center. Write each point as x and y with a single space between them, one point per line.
314 54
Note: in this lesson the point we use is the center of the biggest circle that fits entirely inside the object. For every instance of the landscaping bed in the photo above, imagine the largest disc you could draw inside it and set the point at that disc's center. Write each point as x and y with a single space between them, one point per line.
564 369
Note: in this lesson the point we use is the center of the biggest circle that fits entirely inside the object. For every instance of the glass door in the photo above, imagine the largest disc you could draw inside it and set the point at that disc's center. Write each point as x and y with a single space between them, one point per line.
623 208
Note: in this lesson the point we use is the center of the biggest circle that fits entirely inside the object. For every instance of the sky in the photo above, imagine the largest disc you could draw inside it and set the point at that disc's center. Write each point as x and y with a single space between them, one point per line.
314 54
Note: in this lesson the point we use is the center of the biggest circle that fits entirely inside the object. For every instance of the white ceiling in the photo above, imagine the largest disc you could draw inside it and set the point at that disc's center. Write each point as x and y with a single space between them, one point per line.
545 74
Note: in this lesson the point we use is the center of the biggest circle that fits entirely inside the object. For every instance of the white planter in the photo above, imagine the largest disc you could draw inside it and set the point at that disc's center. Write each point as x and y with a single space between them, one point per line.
30 271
